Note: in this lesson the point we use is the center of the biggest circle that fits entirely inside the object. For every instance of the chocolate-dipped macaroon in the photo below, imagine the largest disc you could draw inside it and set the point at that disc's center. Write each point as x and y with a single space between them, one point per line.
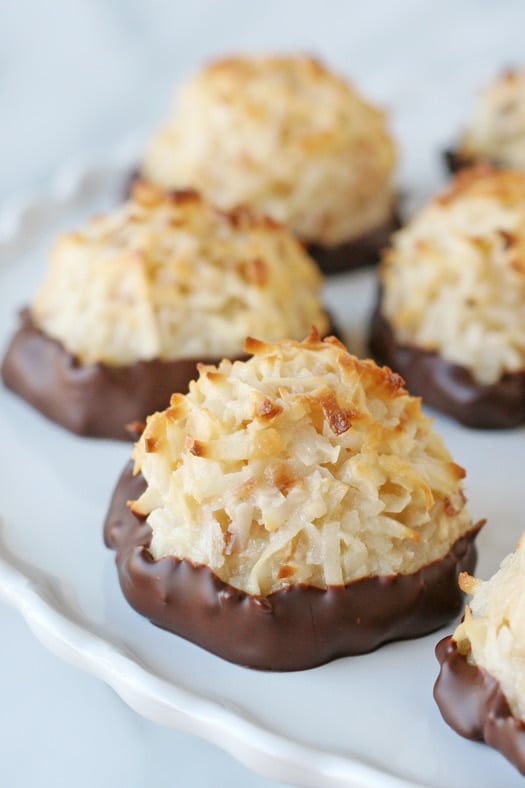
480 690
451 315
495 134
291 509
135 299
291 140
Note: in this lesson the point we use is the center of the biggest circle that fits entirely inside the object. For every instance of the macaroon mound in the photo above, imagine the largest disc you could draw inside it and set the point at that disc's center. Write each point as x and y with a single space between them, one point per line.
451 318
496 130
481 687
169 276
290 139
132 301
308 493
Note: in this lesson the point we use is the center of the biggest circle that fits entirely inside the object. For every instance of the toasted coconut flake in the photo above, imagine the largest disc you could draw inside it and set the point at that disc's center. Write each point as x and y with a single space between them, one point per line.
151 444
267 410
467 583
195 447
250 496
255 346
336 417
313 337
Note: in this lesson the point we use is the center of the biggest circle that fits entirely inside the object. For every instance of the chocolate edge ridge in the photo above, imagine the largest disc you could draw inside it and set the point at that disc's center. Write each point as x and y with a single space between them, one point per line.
455 161
359 252
448 387
473 704
292 629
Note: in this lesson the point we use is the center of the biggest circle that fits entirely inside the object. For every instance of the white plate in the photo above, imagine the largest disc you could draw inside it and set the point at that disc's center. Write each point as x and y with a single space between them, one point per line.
363 721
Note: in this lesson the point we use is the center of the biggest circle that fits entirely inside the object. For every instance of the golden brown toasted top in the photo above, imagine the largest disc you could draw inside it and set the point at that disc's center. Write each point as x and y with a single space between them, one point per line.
303 464
169 275
285 136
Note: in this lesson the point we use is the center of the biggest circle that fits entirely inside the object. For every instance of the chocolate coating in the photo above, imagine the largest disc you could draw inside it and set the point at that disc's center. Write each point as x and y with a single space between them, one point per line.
472 702
97 400
292 629
448 387
356 253
455 161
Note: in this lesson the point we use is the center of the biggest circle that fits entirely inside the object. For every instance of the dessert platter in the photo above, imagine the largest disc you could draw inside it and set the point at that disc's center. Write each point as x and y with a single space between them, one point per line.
315 706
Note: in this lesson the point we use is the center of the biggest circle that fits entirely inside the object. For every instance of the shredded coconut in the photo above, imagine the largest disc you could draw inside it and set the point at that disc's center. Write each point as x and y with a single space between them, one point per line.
492 633
454 277
285 136
300 465
496 132
169 276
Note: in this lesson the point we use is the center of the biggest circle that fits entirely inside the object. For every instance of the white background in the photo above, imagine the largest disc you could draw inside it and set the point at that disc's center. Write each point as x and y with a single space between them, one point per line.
76 78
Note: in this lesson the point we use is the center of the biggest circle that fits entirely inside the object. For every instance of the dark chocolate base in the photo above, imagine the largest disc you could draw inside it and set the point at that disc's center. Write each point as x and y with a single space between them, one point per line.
456 161
471 701
133 178
95 400
293 629
448 387
357 253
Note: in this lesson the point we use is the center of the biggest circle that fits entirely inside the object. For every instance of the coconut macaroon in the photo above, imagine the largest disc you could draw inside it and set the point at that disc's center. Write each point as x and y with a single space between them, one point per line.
300 496
496 131
481 687
290 139
133 300
451 317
